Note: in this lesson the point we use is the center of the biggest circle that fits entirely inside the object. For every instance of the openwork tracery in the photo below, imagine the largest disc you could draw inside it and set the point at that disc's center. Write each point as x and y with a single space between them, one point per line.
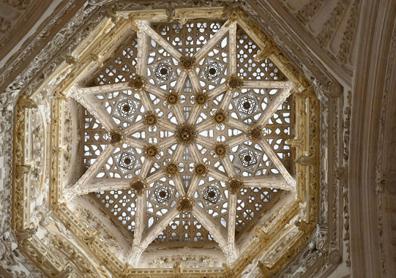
186 126
180 144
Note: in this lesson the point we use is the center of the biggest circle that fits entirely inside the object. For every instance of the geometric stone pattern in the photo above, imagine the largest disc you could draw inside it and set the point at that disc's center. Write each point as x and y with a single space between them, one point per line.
204 92
180 147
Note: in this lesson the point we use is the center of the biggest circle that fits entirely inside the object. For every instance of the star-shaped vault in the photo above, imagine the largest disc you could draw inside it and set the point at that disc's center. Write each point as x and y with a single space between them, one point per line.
187 126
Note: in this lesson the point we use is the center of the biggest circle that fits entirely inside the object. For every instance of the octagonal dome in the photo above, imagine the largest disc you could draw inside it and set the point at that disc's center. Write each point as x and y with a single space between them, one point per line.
187 144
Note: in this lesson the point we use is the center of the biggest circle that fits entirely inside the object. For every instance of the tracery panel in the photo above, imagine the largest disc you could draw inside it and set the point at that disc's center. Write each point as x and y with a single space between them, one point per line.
213 69
184 227
212 196
179 133
124 107
161 196
190 37
188 132
95 139
162 68
248 67
120 67
124 163
122 204
253 203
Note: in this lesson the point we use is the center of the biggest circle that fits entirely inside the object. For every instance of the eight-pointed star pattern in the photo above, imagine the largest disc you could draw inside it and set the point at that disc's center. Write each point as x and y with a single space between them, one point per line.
186 128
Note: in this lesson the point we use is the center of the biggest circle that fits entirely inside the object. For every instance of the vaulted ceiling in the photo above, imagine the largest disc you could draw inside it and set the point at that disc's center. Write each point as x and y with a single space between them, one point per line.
326 44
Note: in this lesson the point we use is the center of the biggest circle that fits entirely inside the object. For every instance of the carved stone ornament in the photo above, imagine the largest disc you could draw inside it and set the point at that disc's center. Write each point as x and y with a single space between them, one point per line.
157 139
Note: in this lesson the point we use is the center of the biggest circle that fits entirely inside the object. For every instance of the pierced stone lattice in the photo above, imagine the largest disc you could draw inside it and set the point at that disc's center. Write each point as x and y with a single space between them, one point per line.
190 37
278 130
212 70
162 68
184 132
121 67
252 203
96 138
161 196
122 204
212 196
247 67
184 227
124 107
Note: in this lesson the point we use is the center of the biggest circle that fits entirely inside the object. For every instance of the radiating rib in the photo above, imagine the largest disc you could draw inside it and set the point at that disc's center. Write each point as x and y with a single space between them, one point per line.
217 91
100 114
165 124
195 153
213 228
194 114
232 45
158 227
154 177
100 185
238 124
155 91
273 106
193 185
135 143
212 42
278 163
216 174
102 89
179 184
207 143
272 181
194 81
178 111
135 254
145 168
177 156
267 84
89 174
180 81
146 101
225 103
167 142
161 41
138 249
139 218
247 28
232 204
135 127
236 140
141 66
206 124
228 166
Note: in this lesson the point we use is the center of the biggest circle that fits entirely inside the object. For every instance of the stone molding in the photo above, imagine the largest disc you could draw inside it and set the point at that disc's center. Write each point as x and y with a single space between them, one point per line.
373 78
